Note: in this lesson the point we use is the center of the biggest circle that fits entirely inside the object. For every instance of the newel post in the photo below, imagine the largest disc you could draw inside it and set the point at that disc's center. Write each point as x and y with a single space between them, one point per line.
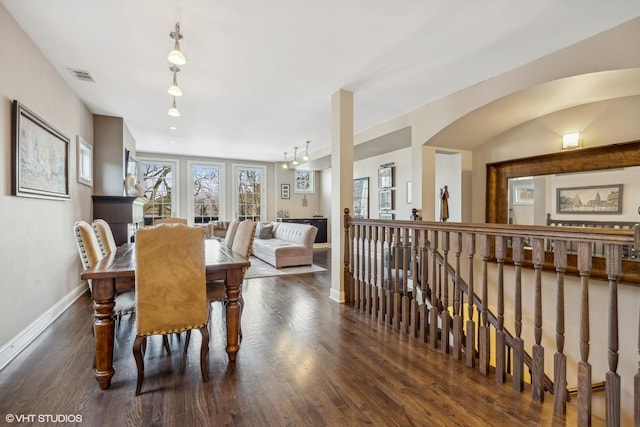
346 273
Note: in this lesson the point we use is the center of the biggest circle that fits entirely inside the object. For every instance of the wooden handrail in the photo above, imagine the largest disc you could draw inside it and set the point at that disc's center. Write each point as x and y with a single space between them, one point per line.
419 305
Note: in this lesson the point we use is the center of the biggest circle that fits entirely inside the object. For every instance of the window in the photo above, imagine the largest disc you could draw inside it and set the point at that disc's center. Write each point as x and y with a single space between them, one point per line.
207 191
249 184
159 181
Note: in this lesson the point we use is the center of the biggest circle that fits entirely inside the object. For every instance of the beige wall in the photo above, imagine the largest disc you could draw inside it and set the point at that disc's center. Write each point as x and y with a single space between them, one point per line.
39 262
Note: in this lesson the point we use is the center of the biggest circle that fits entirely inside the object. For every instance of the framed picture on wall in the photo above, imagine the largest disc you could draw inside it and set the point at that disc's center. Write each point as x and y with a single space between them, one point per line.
385 177
40 157
84 160
285 191
385 201
523 194
595 199
303 182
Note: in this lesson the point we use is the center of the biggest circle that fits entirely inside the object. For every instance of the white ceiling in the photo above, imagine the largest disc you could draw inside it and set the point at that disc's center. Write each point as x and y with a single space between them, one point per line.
260 74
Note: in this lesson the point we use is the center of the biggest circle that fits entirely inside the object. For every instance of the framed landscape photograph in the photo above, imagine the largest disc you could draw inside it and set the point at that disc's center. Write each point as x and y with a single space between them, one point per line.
303 182
285 191
40 166
595 199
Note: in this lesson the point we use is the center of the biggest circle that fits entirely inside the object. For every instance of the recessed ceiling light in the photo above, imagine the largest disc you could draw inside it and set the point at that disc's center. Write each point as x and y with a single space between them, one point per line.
173 142
173 128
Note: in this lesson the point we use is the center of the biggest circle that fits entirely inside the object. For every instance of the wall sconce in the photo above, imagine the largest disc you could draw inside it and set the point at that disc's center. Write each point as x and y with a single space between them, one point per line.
570 141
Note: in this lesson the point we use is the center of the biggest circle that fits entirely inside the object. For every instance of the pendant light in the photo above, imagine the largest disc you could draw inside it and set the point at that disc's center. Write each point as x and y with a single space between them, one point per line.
295 156
306 153
173 111
174 89
284 165
176 56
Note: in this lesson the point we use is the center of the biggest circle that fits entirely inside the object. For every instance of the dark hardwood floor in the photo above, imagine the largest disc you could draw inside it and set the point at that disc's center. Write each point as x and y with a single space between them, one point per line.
305 361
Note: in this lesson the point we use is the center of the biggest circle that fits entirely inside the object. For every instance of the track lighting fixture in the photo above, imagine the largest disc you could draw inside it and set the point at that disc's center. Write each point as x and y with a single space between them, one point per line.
295 161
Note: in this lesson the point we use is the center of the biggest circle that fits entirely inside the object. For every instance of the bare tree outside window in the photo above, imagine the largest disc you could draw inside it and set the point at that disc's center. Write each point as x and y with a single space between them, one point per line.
157 179
249 182
206 193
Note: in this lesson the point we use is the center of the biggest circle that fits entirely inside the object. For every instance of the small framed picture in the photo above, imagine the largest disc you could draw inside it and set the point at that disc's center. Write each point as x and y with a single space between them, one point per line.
385 177
303 182
385 202
386 215
285 190
523 195
84 159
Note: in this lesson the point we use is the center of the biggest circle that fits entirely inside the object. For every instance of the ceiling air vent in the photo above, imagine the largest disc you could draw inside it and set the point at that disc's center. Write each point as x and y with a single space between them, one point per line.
82 75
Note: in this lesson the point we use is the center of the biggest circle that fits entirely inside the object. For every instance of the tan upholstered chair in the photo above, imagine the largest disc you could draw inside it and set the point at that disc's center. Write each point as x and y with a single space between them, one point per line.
231 232
90 253
171 292
242 243
105 236
170 220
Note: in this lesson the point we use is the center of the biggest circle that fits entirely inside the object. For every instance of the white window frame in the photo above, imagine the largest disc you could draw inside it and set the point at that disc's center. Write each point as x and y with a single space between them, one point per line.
190 205
174 163
263 189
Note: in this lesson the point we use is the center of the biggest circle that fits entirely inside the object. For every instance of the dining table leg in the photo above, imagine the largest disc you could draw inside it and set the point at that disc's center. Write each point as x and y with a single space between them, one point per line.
103 294
233 286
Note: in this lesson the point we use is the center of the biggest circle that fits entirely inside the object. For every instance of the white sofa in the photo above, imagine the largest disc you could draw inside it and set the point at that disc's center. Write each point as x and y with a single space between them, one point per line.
284 244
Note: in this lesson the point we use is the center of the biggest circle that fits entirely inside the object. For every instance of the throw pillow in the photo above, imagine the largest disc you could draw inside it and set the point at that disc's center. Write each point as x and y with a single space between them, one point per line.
264 230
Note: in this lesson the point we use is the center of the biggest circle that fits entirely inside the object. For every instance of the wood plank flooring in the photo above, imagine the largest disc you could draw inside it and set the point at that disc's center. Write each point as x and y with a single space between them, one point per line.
305 361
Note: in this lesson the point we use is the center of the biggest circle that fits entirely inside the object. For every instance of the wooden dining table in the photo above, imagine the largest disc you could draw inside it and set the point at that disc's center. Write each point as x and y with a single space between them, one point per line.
117 273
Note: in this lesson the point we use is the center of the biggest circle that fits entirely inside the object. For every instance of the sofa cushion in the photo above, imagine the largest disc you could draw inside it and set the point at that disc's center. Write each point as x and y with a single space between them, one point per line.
264 230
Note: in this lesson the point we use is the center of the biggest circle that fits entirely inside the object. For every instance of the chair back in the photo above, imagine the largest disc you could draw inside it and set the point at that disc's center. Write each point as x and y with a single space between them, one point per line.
170 220
243 241
105 236
87 242
231 232
171 291
88 246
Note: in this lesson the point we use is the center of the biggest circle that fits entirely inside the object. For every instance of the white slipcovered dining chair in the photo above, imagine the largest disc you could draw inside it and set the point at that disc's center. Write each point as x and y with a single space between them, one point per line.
105 236
231 232
90 253
242 244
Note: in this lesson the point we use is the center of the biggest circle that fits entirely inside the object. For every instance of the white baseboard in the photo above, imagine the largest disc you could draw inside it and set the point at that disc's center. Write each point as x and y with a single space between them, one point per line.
18 343
336 295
